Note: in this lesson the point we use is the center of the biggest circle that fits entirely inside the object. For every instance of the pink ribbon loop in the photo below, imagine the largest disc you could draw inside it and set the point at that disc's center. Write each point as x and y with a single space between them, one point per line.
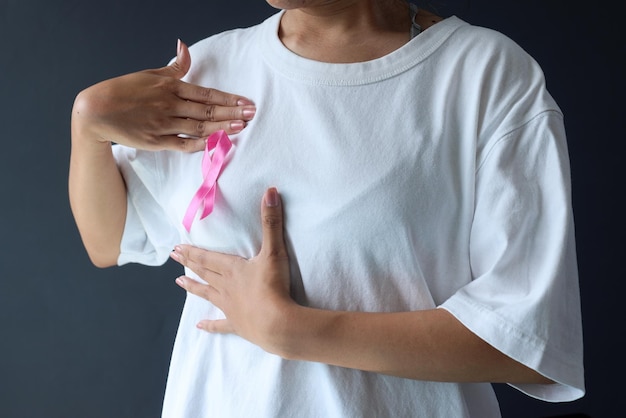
211 167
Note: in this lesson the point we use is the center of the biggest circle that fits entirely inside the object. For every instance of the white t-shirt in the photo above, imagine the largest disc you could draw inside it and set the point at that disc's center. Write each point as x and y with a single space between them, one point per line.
435 176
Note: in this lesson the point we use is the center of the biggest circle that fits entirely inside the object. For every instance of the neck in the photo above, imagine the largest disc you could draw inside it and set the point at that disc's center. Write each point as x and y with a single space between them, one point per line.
346 31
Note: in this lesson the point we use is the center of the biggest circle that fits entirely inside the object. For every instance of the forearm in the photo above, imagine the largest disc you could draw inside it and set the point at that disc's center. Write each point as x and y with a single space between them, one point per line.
422 345
97 193
254 296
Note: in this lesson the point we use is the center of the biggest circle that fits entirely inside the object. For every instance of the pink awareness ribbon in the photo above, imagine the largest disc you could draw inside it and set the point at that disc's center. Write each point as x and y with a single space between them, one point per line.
211 168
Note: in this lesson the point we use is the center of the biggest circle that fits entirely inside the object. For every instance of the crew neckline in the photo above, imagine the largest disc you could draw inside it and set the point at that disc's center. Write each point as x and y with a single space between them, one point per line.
293 66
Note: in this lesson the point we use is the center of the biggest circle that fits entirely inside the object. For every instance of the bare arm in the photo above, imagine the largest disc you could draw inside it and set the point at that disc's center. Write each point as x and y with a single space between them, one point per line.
254 295
144 110
423 345
97 195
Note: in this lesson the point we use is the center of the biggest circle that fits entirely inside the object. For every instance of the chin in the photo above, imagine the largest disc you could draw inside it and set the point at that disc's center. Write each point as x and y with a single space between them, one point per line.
290 4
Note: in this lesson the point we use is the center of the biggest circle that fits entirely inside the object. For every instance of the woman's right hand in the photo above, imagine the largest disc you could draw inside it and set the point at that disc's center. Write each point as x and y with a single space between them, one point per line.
151 109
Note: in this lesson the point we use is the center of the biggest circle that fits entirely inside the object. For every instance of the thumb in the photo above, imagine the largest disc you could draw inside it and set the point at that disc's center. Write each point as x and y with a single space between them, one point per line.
180 66
272 217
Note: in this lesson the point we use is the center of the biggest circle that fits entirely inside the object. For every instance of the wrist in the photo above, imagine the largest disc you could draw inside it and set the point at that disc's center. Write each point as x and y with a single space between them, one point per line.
287 331
300 331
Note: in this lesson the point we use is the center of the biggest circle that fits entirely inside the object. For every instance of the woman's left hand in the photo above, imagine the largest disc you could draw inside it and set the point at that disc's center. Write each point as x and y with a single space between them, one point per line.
253 294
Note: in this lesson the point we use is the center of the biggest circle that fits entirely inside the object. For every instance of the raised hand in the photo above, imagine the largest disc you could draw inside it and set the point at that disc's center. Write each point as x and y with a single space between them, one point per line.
253 294
149 109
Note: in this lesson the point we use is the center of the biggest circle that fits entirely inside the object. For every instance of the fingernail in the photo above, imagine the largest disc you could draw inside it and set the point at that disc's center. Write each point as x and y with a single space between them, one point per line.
178 47
237 126
180 282
271 198
175 254
248 113
244 102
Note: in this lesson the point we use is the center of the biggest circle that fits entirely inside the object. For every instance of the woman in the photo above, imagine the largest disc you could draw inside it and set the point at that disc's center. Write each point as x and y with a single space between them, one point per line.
429 244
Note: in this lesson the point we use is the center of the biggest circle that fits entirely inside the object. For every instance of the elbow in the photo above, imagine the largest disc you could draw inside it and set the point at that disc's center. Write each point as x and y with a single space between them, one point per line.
102 259
102 263
86 102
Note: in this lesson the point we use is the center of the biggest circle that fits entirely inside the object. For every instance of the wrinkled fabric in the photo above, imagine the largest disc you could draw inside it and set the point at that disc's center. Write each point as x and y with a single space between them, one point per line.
434 177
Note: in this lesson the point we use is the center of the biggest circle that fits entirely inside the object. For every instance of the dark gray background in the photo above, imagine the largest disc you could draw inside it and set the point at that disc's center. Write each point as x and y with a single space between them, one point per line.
76 341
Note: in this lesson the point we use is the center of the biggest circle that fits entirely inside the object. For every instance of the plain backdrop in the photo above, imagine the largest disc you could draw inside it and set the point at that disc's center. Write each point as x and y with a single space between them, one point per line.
77 341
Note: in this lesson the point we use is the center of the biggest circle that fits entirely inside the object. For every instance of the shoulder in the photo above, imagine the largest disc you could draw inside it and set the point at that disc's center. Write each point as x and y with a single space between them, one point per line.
490 44
488 56
233 39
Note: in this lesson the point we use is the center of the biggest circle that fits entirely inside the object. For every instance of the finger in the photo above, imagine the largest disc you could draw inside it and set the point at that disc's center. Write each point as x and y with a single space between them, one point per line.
180 66
204 291
206 274
272 219
213 112
187 91
217 326
195 134
203 261
209 95
177 143
203 128
195 93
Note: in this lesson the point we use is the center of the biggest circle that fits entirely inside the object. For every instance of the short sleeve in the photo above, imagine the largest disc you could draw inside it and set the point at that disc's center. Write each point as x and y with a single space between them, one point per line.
149 236
524 295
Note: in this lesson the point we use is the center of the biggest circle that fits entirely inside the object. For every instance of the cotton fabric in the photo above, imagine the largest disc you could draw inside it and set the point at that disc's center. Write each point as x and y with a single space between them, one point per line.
436 176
